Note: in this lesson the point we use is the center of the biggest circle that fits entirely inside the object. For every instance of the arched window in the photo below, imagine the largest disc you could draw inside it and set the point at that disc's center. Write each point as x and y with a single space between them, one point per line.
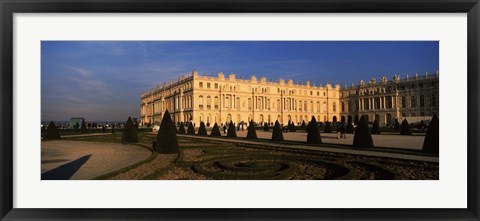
404 102
422 101
334 106
413 101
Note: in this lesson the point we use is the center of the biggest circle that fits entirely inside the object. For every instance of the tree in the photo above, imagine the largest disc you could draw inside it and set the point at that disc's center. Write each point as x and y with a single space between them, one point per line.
52 132
303 125
202 131
313 136
181 129
167 138
376 127
215 131
362 138
291 127
405 128
83 128
277 134
191 129
251 134
328 127
231 132
130 132
396 125
265 127
432 139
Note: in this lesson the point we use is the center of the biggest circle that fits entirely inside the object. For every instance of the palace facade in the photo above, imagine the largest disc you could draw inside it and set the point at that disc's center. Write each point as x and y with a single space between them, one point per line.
223 99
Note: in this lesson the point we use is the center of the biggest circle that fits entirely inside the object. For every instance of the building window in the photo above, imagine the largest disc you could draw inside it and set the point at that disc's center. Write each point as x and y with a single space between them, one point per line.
432 100
324 94
422 101
200 84
404 102
208 85
334 106
325 107
200 102
209 100
215 102
216 85
311 93
343 107
389 102
413 101
318 93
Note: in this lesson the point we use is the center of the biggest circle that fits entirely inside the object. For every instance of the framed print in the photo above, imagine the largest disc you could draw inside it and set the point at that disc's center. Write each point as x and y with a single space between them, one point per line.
239 110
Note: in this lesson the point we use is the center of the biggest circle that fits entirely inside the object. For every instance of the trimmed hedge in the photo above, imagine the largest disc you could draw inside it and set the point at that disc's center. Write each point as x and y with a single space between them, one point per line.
52 132
432 139
405 128
376 127
167 138
265 127
313 136
202 131
130 132
291 127
231 132
396 125
215 131
181 129
191 129
251 134
362 138
277 134
303 125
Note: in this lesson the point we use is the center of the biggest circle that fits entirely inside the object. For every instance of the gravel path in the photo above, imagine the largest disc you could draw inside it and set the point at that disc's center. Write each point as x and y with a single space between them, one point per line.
80 160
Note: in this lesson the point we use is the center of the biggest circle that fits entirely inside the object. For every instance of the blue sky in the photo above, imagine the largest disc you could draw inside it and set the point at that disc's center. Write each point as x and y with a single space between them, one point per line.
103 80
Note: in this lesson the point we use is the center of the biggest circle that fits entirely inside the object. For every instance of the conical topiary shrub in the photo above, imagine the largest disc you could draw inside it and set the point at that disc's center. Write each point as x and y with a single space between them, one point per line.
231 132
328 127
167 138
52 132
251 134
130 132
191 129
181 129
265 127
307 128
303 125
431 143
342 120
349 125
313 136
376 127
215 131
362 138
405 128
202 131
396 125
291 127
277 134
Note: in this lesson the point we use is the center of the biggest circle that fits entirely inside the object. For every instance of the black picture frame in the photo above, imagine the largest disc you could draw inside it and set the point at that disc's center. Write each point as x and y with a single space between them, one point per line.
9 7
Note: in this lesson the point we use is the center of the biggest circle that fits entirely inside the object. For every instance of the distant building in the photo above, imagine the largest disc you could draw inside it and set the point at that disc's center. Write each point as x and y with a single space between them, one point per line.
74 121
219 99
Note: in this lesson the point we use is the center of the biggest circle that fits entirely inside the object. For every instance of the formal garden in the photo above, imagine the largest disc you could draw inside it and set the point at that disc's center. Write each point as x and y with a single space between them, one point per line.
189 153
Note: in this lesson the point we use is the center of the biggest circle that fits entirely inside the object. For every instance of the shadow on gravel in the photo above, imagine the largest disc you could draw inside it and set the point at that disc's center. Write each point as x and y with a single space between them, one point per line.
65 171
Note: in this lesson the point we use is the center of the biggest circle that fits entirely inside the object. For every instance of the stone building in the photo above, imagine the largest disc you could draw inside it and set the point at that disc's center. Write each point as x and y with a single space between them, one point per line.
412 98
223 99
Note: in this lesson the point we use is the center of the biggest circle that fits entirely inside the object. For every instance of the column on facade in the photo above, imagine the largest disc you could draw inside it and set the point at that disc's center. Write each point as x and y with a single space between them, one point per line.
373 103
231 101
